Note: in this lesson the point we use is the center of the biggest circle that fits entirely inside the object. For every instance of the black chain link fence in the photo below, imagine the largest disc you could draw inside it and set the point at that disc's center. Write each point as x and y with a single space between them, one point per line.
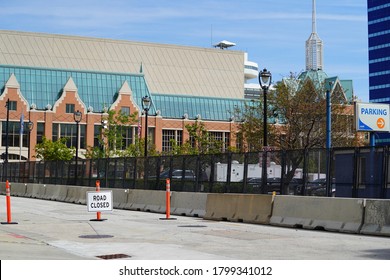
353 172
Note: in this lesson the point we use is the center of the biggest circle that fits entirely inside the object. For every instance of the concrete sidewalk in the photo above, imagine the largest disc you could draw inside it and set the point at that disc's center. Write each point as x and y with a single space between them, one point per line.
56 230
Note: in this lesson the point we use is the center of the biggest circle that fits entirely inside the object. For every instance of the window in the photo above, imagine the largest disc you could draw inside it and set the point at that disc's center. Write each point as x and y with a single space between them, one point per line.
171 135
221 137
125 111
13 134
12 105
151 134
239 141
96 136
69 131
70 108
127 136
40 132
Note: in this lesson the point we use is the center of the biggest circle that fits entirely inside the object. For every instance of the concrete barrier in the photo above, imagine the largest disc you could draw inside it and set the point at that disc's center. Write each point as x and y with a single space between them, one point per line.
246 208
221 207
2 188
72 195
146 200
17 189
83 195
78 195
254 208
328 213
36 191
129 201
376 217
56 192
188 204
120 197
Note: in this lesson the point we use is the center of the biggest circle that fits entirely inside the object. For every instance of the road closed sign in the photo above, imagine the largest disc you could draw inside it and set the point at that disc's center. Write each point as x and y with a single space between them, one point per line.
99 201
372 117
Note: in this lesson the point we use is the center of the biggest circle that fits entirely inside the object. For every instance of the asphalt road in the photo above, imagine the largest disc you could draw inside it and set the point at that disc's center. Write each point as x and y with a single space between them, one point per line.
48 230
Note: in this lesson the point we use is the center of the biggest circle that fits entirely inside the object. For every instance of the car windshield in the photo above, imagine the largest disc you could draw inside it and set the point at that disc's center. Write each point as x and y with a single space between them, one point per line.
321 180
178 173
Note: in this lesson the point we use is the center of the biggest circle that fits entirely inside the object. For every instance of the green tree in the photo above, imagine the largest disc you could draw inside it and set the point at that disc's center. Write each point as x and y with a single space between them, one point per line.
303 121
137 149
302 117
200 142
250 132
299 121
54 150
112 137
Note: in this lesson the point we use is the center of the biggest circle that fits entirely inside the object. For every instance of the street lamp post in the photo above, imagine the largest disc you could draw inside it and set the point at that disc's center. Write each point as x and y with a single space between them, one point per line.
328 139
77 118
265 79
30 126
4 156
146 106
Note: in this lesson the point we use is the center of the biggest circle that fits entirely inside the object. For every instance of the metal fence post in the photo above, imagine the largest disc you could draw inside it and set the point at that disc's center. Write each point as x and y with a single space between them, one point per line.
212 171
229 173
304 175
355 171
245 179
385 166
198 175
283 187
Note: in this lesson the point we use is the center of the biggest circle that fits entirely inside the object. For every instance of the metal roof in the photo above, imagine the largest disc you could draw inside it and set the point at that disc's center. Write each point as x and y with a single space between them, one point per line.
319 78
193 107
43 86
169 68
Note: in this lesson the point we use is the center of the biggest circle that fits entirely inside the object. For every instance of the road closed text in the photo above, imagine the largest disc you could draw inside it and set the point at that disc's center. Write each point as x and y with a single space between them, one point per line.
99 204
99 201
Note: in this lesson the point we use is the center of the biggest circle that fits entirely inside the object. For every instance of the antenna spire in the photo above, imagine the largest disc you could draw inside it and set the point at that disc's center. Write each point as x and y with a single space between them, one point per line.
314 27
314 46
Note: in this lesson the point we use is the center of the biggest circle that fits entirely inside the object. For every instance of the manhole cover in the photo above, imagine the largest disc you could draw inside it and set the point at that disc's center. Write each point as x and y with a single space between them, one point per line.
113 256
96 236
193 226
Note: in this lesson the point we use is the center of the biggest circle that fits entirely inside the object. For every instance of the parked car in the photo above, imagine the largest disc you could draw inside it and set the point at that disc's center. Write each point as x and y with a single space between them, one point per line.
254 181
295 186
178 174
275 184
318 188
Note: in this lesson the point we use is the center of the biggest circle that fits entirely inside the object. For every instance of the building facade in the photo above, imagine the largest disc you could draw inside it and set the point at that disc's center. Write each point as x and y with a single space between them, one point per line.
379 49
45 78
379 56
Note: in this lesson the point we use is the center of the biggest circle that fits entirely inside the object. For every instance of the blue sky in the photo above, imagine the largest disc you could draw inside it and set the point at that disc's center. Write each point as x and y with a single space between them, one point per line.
273 32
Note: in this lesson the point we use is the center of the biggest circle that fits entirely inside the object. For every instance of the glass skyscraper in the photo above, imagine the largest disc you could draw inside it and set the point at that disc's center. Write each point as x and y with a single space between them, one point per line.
379 49
379 55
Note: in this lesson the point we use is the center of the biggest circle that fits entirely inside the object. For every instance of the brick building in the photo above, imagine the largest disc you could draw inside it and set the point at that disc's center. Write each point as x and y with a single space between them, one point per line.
46 78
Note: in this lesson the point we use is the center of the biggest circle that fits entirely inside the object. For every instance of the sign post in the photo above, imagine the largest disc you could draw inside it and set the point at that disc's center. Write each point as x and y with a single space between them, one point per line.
168 200
8 202
372 117
99 201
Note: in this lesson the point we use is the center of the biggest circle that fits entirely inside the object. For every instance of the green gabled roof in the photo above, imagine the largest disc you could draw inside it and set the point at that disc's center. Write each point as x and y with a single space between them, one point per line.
348 89
329 83
319 77
43 86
